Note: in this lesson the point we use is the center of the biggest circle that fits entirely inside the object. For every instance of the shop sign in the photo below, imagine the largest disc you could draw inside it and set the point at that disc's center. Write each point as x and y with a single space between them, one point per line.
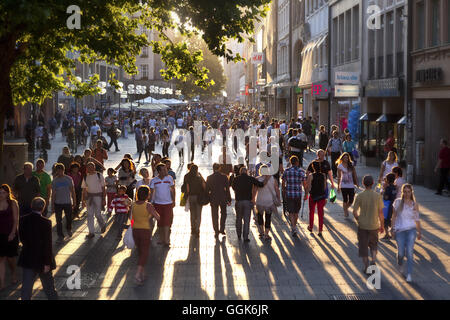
383 88
298 90
346 91
320 89
261 82
428 75
346 77
257 57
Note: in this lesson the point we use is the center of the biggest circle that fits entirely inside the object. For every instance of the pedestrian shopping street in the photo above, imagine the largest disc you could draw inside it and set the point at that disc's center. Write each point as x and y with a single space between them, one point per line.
202 268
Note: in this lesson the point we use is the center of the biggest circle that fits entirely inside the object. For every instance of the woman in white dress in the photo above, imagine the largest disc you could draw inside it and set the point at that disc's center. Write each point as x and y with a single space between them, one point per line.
268 198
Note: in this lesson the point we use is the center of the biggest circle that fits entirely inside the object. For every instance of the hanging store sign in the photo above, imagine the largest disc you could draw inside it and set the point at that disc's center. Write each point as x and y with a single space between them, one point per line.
383 88
261 82
348 91
257 57
346 77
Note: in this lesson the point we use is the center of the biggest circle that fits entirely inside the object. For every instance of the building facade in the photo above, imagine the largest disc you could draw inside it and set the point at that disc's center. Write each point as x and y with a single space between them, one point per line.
314 69
430 85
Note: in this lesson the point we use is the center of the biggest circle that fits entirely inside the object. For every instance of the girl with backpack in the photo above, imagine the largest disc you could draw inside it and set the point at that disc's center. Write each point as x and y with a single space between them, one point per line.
317 190
347 179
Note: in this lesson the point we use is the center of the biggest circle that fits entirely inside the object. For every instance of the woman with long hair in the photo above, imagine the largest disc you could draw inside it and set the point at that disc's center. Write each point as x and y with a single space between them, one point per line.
317 190
387 165
347 179
127 176
142 212
266 199
406 227
9 241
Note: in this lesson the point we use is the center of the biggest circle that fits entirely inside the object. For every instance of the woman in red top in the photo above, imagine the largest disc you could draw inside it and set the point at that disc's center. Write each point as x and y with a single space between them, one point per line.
9 241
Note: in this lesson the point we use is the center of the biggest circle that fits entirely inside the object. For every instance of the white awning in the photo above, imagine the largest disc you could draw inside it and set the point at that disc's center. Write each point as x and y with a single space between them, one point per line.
307 61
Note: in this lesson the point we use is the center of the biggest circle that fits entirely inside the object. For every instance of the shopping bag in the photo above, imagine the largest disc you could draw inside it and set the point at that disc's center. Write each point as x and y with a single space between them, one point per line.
332 196
128 240
187 206
182 200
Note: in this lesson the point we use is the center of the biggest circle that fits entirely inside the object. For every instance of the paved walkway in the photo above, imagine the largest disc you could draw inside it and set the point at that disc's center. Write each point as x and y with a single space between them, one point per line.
287 268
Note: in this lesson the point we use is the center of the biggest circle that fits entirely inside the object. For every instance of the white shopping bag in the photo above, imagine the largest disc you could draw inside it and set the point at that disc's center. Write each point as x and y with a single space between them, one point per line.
128 240
187 206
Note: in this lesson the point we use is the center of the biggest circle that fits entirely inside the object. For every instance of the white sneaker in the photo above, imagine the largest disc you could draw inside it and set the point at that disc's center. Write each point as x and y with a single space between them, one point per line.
408 278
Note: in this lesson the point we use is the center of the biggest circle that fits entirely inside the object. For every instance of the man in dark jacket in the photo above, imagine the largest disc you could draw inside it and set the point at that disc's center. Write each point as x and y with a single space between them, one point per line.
243 187
218 189
36 257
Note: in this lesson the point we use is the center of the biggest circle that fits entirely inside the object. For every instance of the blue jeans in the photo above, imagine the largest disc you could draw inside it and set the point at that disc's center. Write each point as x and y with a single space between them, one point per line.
405 245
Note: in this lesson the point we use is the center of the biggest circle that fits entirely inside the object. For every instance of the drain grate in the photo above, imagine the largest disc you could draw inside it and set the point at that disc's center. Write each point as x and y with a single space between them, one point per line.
355 297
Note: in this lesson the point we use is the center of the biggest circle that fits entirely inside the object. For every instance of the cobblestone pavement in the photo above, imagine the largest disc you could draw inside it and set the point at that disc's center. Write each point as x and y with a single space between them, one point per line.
306 267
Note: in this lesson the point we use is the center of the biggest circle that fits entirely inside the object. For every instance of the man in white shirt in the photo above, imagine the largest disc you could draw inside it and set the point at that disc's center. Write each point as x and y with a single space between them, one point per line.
162 194
283 127
180 122
94 198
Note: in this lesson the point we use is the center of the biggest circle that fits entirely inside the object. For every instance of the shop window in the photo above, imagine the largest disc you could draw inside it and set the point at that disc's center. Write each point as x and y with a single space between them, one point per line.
420 11
435 22
356 32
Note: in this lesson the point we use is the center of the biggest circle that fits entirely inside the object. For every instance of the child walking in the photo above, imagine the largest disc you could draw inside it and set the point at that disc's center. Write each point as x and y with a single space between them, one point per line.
389 195
111 186
121 203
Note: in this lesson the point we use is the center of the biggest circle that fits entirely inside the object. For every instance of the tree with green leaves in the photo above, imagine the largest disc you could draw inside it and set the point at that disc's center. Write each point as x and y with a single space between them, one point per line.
211 63
36 37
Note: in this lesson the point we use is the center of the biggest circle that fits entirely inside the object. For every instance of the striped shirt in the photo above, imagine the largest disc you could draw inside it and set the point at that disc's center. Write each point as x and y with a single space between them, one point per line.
119 202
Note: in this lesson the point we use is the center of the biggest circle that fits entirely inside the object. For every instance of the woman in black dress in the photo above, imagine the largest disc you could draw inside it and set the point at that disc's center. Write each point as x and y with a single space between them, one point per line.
9 241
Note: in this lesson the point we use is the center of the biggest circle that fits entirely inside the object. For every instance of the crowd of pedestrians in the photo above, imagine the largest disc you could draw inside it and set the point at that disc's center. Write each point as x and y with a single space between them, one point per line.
140 198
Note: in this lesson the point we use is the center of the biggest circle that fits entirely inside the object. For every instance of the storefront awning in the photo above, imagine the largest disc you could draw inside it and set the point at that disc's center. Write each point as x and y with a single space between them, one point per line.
307 61
402 120
389 118
369 117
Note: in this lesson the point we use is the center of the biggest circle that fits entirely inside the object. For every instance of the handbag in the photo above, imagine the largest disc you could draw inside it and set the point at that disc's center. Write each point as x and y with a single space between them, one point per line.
203 199
128 239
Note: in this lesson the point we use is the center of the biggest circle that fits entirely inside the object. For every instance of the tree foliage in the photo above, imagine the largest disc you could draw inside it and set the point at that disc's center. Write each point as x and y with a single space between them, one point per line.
210 63
35 42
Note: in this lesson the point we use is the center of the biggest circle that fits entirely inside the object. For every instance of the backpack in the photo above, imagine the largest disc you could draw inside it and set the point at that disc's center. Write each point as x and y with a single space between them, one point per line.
318 187
297 143
98 176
